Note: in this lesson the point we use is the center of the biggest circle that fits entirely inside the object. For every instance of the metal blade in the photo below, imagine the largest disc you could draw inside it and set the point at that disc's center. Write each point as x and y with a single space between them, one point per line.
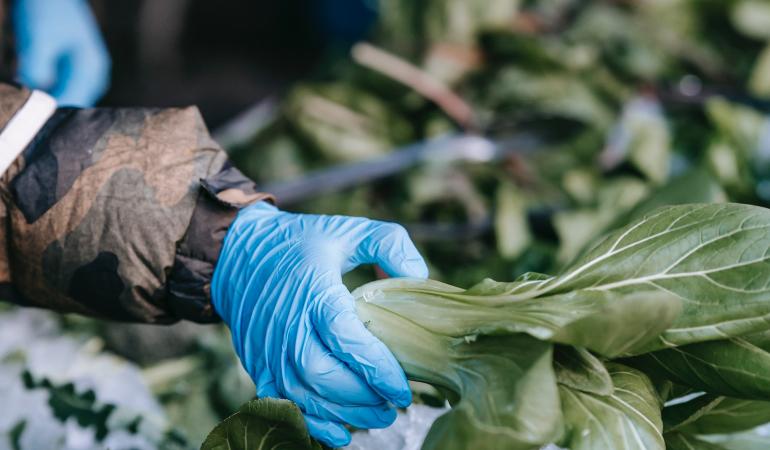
445 149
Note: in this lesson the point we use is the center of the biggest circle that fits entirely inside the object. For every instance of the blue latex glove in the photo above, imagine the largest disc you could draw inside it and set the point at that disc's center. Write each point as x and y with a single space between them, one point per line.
278 285
60 50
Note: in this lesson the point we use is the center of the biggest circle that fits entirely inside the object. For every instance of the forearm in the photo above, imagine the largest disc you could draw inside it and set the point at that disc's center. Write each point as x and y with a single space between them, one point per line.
119 213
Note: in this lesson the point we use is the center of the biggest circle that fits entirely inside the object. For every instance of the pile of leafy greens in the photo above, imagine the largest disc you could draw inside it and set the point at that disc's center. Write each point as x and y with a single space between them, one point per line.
622 98
657 337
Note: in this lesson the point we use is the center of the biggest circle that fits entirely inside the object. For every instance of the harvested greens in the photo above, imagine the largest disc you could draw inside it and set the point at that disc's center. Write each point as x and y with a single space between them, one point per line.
623 98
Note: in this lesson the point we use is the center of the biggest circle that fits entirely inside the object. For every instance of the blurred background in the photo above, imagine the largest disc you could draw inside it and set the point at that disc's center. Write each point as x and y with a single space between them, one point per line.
506 135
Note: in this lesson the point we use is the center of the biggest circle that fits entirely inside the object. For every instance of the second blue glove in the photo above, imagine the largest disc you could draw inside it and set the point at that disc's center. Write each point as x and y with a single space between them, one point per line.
61 50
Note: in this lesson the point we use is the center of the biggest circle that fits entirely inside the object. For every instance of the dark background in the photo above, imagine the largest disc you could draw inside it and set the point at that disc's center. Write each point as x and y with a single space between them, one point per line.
222 56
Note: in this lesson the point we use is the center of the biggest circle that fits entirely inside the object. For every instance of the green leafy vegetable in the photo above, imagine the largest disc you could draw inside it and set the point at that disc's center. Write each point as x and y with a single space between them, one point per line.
265 424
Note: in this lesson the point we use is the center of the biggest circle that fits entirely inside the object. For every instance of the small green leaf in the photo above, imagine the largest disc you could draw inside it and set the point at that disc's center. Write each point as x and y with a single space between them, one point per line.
709 414
579 369
695 186
759 84
511 227
680 415
732 367
66 402
629 419
749 440
752 17
14 435
265 424
682 441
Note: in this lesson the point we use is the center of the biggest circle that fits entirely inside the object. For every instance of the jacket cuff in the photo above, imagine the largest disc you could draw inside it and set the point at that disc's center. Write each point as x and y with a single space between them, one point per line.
189 283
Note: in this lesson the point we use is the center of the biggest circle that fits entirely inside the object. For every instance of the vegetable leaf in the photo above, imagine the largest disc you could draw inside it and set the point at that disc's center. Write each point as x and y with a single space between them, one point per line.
267 424
732 367
505 393
682 441
715 258
627 322
68 403
709 414
682 412
629 419
578 369
749 440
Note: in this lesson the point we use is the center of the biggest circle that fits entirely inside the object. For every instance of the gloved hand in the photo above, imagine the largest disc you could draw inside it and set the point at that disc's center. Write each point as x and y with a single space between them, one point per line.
61 50
278 285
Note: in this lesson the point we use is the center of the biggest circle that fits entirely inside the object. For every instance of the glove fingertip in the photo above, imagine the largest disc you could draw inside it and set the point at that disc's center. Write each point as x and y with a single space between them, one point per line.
404 399
411 263
415 268
400 394
329 433
392 386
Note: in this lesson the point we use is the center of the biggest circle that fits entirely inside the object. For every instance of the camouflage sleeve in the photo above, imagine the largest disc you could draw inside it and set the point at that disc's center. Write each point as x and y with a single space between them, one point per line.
119 214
